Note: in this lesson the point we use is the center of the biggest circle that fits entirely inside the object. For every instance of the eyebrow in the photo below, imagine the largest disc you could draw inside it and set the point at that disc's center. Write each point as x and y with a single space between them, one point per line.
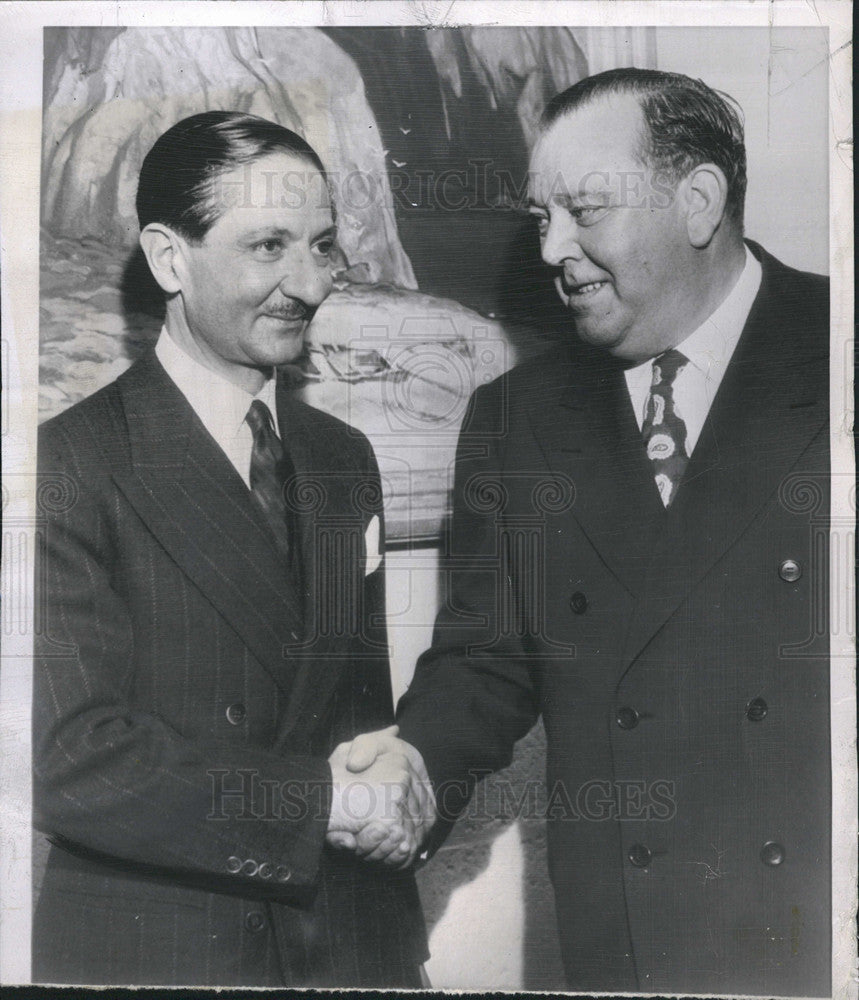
566 200
270 232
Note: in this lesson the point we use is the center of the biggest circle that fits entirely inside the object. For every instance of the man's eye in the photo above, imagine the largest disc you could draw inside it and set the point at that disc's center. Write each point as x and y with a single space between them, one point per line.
542 224
325 248
587 214
270 247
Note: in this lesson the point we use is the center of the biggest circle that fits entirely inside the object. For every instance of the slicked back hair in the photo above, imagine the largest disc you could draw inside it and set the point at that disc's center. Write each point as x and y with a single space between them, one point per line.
687 123
179 176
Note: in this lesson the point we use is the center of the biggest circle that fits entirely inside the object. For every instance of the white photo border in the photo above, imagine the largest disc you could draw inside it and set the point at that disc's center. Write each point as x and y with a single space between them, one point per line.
21 33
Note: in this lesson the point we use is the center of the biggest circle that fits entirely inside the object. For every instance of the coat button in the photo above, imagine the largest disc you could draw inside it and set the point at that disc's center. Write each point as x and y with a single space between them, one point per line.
250 867
772 854
234 865
640 855
756 710
266 870
579 603
283 874
255 921
236 714
626 718
790 571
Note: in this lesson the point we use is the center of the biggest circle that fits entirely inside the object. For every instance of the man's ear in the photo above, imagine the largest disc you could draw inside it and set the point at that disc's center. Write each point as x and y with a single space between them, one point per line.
162 249
706 197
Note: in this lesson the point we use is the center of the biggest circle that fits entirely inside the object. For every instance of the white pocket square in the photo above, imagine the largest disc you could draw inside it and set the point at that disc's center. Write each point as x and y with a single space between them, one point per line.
373 556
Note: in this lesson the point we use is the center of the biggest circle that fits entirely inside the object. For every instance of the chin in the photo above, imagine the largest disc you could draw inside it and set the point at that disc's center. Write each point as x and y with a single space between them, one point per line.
606 340
287 357
284 352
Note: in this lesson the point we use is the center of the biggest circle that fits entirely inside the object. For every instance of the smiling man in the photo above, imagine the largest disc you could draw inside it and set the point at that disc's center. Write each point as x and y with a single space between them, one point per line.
194 697
639 557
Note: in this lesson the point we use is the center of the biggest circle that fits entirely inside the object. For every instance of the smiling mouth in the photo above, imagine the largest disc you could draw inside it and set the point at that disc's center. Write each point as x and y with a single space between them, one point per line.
583 290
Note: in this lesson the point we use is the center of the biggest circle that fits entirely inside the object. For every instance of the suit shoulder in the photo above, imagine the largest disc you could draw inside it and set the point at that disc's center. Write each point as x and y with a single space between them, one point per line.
518 387
809 296
802 295
805 287
92 425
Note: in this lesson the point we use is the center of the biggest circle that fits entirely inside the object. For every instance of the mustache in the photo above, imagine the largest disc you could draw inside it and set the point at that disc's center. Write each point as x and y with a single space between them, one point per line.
292 309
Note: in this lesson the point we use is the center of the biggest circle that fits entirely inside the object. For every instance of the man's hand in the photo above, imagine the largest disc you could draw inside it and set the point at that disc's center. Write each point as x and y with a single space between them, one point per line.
385 814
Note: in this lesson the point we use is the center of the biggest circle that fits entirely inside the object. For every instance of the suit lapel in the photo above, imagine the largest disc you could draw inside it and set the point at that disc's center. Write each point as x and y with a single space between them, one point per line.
771 404
586 428
192 500
323 496
304 495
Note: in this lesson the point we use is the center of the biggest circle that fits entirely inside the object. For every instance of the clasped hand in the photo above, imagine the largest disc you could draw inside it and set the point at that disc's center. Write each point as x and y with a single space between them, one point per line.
382 804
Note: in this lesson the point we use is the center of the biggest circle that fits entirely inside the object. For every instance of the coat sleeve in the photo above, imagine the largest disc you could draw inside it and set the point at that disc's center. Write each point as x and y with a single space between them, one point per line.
473 694
122 784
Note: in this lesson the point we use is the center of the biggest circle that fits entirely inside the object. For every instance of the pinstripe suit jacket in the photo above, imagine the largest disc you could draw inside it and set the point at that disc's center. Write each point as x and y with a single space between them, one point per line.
187 697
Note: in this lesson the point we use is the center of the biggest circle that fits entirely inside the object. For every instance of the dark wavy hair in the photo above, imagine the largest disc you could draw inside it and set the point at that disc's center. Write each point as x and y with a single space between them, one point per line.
179 174
688 123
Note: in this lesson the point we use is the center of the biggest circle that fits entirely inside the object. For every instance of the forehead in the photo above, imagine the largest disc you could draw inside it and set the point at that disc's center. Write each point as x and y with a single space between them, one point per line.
279 190
602 136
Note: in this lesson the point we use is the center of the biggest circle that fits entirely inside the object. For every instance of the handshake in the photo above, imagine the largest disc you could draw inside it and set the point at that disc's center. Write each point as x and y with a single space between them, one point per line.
382 804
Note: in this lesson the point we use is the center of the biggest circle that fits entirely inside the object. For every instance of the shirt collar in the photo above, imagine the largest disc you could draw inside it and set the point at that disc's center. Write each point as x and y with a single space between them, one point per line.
710 347
220 404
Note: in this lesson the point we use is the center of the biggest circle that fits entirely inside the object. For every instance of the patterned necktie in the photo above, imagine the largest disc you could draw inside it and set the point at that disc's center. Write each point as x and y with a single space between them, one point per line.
271 467
663 430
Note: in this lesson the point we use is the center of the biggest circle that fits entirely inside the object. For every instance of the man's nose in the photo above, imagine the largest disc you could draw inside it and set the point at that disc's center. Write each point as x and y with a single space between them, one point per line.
307 277
561 242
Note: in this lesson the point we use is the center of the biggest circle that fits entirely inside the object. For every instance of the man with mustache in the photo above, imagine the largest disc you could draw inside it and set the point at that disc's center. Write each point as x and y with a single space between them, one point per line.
194 695
638 554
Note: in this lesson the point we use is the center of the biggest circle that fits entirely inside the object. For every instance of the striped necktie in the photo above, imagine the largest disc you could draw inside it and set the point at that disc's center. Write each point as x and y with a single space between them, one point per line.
664 430
271 467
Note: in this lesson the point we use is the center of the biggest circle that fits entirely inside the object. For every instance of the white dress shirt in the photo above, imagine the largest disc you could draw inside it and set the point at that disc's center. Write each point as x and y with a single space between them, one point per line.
220 405
709 350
